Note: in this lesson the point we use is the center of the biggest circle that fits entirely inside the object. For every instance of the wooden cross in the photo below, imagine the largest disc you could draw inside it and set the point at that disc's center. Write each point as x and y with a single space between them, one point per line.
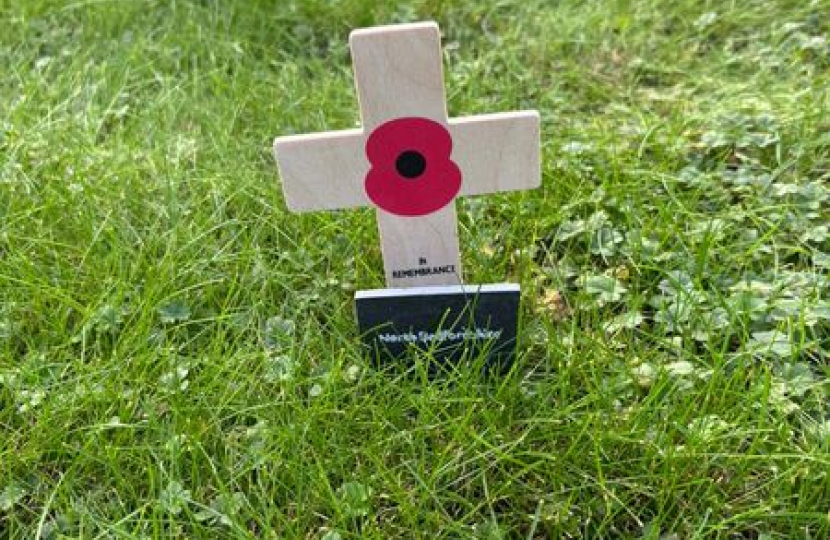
400 87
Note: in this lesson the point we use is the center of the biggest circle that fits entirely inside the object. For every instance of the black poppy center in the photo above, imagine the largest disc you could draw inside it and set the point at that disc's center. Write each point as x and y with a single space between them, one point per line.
410 164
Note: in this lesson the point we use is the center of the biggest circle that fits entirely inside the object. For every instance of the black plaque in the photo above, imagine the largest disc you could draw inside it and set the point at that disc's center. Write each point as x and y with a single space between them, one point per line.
450 323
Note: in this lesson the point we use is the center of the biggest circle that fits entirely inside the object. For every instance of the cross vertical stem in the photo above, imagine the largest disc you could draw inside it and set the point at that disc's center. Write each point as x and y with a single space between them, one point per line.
398 73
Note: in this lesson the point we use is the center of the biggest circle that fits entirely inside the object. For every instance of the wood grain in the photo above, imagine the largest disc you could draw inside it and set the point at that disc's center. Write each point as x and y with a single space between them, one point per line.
322 171
398 73
424 242
497 152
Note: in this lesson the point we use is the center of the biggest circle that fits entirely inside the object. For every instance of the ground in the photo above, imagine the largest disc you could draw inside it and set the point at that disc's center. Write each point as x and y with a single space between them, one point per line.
178 353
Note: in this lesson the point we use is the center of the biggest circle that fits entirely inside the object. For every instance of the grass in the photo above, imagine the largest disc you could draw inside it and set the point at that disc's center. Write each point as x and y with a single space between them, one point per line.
178 354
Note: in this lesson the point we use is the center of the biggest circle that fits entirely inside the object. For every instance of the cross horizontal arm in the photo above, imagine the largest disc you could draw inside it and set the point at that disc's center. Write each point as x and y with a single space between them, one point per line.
497 152
326 171
323 171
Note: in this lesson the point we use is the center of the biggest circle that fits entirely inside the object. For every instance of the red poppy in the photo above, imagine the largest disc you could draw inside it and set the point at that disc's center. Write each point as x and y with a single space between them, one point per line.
412 173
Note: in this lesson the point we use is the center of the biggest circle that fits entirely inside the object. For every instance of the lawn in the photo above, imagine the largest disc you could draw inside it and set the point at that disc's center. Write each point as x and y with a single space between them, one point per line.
179 355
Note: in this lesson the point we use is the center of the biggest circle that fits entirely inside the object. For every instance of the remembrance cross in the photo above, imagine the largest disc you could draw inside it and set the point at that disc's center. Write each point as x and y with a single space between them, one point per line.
409 160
